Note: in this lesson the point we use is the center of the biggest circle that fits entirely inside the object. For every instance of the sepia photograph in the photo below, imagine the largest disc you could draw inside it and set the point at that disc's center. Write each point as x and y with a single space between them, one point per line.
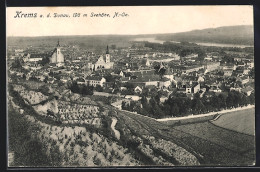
130 86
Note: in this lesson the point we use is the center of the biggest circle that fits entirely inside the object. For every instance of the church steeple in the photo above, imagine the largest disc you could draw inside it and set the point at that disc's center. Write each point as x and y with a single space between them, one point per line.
58 45
107 52
107 56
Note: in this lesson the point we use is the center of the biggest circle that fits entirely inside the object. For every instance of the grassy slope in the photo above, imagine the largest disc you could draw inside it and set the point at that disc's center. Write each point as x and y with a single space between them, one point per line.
241 121
212 145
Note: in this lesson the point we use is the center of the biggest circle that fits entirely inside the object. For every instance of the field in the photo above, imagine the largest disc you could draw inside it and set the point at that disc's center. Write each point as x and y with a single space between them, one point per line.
241 121
212 145
219 145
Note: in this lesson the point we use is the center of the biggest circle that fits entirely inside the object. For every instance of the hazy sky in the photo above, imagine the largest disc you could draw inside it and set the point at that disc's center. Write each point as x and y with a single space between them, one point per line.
140 20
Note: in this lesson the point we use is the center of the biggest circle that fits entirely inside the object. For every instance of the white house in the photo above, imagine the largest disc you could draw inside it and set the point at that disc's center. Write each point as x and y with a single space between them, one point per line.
133 97
95 80
117 104
138 89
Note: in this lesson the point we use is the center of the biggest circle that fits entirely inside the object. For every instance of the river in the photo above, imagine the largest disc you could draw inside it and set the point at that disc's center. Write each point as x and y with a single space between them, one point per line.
153 40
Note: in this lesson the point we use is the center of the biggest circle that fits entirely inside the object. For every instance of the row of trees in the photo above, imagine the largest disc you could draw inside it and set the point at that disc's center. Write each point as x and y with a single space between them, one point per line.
81 89
180 105
186 48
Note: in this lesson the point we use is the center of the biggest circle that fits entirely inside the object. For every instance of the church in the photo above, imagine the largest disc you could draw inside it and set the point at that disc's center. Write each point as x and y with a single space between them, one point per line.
101 63
57 57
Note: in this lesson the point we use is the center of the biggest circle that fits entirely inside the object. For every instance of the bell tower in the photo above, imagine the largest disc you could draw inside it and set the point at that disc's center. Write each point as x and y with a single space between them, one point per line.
58 47
107 56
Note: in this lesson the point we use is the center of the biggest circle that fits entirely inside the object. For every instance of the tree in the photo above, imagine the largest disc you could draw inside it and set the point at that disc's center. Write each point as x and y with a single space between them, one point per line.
201 55
175 110
252 73
160 70
197 106
44 61
99 88
17 64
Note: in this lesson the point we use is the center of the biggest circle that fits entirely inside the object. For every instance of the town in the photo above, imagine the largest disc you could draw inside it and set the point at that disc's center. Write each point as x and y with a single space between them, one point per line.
139 103
143 79
130 86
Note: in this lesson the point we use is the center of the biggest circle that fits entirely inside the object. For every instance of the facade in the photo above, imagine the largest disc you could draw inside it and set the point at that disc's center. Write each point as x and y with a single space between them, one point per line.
101 63
211 66
95 80
57 57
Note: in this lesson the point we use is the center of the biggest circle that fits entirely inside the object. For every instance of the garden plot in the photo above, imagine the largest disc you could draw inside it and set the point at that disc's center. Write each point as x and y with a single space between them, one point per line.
32 97
80 147
78 113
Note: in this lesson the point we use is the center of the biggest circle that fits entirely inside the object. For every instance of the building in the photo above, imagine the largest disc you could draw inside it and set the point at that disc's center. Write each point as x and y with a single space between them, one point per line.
118 104
248 90
192 88
243 79
33 58
57 57
95 80
101 63
138 89
211 66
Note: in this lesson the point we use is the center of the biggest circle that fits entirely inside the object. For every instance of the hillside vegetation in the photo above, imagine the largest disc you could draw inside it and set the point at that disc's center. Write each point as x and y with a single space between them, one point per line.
228 35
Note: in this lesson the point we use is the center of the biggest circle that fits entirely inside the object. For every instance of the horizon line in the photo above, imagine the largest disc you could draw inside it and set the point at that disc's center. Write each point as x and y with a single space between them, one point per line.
128 34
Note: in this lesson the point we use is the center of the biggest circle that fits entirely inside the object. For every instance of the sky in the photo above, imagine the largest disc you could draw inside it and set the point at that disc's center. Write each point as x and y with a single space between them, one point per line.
139 19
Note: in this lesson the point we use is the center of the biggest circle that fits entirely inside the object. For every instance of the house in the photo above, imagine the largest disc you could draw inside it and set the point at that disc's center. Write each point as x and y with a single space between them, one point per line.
200 79
122 73
243 79
188 88
118 104
169 74
235 89
228 72
50 80
248 90
163 99
138 89
164 83
192 88
34 57
81 81
133 97
147 80
95 80
211 66
196 87
215 89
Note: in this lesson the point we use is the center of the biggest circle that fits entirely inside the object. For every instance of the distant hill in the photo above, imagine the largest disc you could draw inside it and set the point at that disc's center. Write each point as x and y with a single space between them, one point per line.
228 35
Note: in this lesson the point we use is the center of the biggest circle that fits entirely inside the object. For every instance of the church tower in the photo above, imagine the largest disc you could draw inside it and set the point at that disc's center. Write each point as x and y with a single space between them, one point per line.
57 56
107 56
58 47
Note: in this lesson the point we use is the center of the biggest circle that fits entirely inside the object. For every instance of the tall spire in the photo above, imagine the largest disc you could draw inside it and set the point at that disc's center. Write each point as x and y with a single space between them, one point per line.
58 45
107 52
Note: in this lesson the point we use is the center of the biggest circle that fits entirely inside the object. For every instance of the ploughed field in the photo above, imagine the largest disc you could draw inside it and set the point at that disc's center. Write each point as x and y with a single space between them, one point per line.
211 144
241 121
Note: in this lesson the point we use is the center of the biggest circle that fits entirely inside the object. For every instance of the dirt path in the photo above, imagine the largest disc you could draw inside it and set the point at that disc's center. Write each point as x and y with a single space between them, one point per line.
117 133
